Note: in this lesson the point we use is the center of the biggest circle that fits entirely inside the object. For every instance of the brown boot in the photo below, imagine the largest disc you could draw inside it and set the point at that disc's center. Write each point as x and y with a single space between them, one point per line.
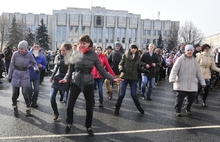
109 95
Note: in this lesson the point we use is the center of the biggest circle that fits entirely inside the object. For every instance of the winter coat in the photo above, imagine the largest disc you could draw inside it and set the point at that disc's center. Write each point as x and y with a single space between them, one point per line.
114 59
130 67
79 72
105 64
185 74
169 62
41 59
147 59
21 78
206 62
60 70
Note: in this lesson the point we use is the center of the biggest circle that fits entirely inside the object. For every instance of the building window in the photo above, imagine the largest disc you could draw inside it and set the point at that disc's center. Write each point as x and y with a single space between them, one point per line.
118 34
154 32
106 35
135 35
99 34
58 34
154 41
64 33
165 33
111 35
148 41
129 35
144 32
123 35
159 32
149 32
98 20
144 41
95 35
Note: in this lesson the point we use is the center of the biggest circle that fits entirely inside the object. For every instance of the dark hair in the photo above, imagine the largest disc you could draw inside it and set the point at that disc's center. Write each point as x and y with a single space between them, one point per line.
204 46
98 47
197 45
87 39
109 47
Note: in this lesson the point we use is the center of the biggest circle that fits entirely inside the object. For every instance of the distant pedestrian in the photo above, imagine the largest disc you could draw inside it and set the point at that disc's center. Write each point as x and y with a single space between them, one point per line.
149 60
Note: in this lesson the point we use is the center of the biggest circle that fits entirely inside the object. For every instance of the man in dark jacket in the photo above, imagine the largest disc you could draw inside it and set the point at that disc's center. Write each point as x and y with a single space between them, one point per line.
114 59
149 60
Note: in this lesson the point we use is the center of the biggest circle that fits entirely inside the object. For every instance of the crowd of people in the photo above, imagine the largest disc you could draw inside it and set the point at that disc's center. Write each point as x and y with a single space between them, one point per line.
81 67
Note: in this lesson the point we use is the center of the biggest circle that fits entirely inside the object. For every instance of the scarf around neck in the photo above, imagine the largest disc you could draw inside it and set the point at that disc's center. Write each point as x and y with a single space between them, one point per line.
84 50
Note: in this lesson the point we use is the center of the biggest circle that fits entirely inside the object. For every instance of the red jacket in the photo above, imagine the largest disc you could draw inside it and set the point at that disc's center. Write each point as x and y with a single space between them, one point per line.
105 64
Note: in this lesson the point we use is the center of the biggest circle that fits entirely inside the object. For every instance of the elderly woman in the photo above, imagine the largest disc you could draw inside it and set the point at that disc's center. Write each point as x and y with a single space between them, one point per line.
19 75
185 75
206 63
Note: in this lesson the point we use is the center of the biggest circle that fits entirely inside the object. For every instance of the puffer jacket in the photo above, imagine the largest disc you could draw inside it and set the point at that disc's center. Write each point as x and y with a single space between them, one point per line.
185 74
206 62
21 78
79 72
105 64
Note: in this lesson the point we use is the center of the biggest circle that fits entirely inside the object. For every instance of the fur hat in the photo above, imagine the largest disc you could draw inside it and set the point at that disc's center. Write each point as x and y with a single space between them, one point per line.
23 44
189 47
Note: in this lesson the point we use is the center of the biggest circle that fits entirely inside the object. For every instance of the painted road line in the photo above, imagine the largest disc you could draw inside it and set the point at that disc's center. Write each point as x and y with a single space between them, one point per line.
112 133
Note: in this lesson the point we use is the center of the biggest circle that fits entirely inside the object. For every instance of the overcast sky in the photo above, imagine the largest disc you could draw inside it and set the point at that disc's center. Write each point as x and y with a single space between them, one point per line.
204 14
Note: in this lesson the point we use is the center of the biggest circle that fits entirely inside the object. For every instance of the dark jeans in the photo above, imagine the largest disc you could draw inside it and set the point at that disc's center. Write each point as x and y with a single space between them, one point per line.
34 90
89 96
133 86
53 102
180 95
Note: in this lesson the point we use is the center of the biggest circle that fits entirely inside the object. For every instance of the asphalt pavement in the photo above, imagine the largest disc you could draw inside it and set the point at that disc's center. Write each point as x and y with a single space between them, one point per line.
158 124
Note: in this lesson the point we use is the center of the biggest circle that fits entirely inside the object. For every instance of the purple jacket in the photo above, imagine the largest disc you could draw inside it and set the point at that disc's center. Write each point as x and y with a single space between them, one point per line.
21 78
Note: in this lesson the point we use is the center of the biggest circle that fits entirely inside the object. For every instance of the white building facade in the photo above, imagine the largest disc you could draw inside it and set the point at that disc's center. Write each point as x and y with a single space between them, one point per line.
104 26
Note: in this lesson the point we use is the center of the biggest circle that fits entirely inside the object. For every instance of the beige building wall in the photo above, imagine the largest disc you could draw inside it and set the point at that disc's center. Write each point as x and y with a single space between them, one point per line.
213 40
103 25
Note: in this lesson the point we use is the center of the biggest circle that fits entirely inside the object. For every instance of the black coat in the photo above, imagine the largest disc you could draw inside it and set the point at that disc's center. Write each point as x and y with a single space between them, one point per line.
147 59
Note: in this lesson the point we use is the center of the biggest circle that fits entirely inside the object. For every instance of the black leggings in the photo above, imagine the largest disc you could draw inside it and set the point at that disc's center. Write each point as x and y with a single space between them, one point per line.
72 97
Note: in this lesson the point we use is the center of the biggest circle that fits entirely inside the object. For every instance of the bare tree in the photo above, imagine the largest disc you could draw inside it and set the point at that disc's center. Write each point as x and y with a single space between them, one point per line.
4 22
190 34
172 40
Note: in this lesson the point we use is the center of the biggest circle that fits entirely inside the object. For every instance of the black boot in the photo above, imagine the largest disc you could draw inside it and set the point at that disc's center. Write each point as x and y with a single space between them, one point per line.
140 109
204 104
100 103
117 110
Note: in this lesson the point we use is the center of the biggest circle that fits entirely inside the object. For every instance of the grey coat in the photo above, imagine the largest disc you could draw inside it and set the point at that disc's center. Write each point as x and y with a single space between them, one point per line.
21 78
185 74
79 73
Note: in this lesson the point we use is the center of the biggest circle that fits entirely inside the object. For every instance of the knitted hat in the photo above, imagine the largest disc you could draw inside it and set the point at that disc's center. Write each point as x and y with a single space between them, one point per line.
23 45
109 47
133 45
189 47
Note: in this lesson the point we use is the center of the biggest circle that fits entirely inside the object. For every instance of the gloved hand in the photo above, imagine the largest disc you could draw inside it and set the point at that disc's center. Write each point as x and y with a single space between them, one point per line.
37 71
9 80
